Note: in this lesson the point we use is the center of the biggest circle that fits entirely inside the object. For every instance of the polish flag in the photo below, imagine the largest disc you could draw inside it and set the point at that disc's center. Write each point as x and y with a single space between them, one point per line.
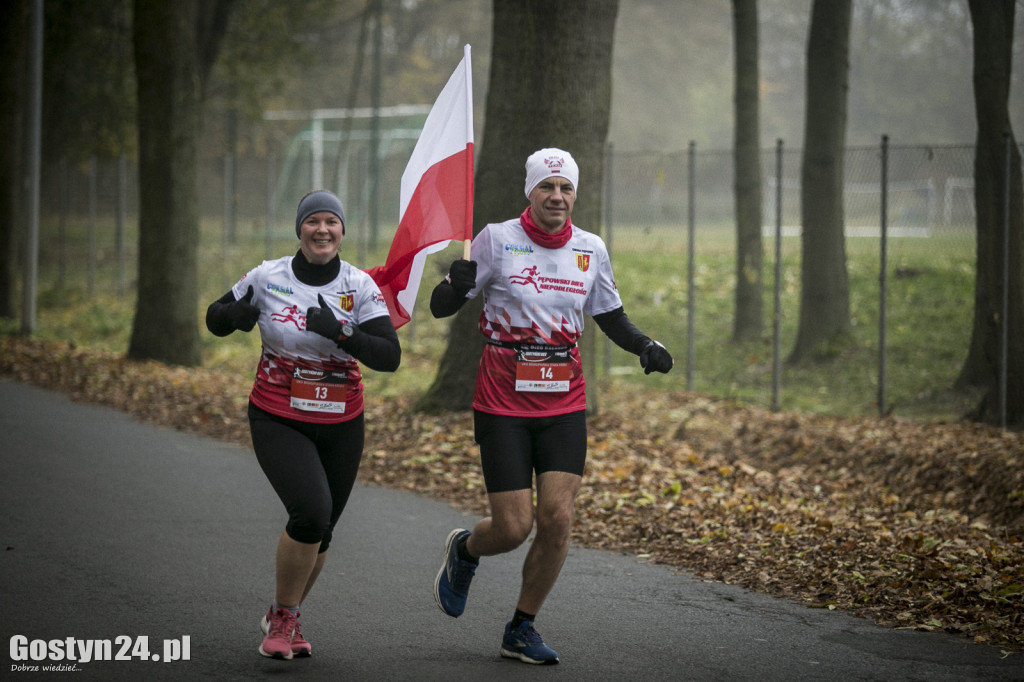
436 194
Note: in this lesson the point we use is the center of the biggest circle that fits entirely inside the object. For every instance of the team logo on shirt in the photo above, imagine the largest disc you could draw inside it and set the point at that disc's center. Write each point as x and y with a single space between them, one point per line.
347 302
519 249
278 289
582 262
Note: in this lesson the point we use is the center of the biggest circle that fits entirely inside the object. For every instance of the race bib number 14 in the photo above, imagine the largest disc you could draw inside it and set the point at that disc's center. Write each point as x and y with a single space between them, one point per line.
543 377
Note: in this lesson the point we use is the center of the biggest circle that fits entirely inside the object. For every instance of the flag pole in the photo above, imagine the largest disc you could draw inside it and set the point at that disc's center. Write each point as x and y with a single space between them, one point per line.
469 155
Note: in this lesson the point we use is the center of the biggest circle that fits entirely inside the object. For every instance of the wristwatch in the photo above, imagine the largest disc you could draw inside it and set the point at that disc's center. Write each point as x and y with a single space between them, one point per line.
347 330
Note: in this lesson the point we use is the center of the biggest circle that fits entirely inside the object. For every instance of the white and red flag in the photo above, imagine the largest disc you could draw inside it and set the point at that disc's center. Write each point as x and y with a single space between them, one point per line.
436 195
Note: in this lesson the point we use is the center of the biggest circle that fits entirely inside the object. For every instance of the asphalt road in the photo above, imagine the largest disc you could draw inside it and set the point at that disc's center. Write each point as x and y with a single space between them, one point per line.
116 530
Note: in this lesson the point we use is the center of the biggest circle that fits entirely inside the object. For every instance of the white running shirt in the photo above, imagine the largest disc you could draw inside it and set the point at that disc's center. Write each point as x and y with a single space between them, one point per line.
538 296
353 297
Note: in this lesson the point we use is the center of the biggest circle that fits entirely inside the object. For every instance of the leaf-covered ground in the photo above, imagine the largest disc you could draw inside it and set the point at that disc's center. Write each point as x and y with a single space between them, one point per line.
911 524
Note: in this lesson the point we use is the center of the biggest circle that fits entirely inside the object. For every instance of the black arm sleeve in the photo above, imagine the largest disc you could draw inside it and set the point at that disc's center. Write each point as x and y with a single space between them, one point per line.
622 331
217 320
444 301
377 345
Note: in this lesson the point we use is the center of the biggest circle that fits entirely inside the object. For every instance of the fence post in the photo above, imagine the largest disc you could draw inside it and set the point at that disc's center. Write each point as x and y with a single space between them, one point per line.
92 225
609 205
1005 318
316 150
691 352
777 285
62 223
122 245
30 273
269 228
363 235
229 181
883 276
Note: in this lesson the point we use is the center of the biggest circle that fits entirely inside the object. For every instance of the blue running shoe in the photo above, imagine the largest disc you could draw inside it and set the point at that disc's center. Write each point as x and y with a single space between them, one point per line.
525 644
451 587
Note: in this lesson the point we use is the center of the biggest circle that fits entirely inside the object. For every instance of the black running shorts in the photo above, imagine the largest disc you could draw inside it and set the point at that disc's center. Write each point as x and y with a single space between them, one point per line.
513 448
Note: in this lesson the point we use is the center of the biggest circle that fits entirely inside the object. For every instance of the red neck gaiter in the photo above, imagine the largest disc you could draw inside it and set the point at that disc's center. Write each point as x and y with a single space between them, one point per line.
542 238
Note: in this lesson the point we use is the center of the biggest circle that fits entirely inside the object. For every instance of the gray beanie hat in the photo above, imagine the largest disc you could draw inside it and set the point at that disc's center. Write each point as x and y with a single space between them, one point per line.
316 201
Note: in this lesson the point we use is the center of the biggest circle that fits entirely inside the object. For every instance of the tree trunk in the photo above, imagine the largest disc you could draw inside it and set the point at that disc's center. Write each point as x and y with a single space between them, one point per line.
748 322
993 49
825 290
15 19
550 86
175 46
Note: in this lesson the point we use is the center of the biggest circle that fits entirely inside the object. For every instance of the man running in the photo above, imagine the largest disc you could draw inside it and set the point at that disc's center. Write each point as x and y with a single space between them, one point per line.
539 275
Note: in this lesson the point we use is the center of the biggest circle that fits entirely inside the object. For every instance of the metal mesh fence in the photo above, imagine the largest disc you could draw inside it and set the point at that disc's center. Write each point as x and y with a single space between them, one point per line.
89 232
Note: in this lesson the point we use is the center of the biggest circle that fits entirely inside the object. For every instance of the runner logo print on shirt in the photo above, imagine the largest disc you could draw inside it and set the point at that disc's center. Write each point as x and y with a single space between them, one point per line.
290 314
527 277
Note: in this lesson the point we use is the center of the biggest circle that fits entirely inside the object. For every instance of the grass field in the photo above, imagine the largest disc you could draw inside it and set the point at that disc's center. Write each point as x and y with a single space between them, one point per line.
930 304
929 308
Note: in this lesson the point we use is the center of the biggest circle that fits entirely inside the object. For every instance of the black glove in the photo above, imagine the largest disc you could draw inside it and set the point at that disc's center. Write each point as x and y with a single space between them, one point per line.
654 358
462 276
323 322
242 313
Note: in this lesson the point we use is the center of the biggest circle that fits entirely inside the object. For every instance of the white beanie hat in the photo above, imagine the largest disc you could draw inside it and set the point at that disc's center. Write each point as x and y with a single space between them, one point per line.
551 162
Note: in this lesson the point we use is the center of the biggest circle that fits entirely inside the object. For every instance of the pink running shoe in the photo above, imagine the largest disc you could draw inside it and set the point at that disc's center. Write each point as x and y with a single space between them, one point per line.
280 625
300 647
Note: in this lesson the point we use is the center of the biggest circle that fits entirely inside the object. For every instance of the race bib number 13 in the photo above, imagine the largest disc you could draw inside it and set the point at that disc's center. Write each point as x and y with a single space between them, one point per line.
315 390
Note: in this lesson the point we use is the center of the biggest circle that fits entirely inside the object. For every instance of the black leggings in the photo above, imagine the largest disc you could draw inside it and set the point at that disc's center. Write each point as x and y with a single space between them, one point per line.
312 468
